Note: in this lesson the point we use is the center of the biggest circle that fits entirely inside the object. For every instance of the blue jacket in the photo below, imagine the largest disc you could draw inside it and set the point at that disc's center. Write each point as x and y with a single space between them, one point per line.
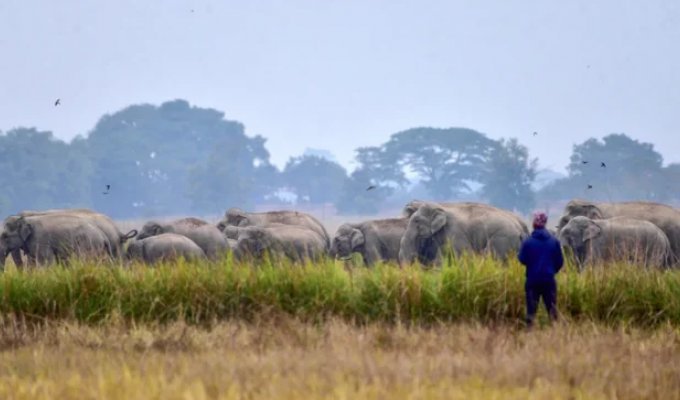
541 253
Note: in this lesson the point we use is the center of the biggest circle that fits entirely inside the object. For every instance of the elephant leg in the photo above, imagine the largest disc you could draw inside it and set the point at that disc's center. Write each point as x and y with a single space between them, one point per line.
500 247
371 256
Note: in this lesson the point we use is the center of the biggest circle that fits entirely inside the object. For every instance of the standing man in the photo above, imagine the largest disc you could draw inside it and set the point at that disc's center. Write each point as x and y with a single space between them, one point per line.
541 253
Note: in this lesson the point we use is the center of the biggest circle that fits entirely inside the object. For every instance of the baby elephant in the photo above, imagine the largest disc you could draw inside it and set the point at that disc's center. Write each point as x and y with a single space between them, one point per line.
164 247
294 242
616 239
206 236
376 240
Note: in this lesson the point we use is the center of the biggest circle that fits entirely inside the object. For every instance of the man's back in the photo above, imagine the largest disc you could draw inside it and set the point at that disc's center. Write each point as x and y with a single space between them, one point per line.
541 253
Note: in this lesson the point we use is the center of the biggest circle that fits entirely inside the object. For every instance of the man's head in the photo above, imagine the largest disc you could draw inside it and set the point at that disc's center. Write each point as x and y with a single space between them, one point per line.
540 219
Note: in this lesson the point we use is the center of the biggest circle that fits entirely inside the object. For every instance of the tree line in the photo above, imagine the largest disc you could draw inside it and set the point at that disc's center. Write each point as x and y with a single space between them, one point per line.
177 159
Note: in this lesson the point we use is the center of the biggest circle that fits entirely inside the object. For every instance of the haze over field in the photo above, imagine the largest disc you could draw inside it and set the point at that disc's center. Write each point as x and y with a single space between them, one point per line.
340 75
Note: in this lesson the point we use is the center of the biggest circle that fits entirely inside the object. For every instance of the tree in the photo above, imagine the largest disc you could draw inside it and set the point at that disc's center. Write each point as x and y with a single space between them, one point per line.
375 172
237 173
445 160
40 172
632 171
509 175
157 157
314 179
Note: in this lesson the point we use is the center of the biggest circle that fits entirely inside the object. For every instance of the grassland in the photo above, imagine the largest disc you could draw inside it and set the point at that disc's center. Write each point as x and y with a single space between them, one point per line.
288 359
473 289
325 330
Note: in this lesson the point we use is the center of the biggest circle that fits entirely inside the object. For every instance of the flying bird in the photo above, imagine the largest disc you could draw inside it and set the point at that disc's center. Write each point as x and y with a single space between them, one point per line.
590 186
535 133
108 187
370 188
57 102
602 164
584 162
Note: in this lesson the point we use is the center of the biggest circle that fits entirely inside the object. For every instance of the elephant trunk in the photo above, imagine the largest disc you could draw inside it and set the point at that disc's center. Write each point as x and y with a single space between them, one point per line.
580 255
16 256
408 247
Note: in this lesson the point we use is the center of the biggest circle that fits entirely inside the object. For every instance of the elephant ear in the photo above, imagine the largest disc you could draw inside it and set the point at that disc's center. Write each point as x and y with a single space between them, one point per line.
11 221
411 208
25 231
153 229
592 231
357 238
438 221
236 216
239 219
593 211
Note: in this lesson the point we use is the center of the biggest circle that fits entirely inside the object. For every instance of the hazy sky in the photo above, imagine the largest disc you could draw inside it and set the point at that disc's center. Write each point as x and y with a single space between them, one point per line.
338 74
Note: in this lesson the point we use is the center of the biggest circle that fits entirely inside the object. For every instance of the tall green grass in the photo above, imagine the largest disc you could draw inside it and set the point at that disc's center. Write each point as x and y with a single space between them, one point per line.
467 288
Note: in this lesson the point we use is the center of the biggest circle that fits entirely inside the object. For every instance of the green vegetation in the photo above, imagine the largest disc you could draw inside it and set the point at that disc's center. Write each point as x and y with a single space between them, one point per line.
470 288
180 159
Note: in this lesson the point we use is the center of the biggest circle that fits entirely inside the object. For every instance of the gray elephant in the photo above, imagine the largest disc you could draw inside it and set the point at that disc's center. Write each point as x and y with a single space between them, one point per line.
3 253
411 207
206 236
376 240
665 217
164 247
465 227
616 239
238 217
116 238
55 238
294 242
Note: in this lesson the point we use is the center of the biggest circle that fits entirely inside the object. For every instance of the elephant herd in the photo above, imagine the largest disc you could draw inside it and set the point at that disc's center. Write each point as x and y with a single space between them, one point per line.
640 232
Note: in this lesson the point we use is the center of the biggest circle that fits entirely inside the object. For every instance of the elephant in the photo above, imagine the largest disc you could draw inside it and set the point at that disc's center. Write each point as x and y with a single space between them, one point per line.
618 238
471 227
376 240
55 238
164 247
412 206
206 236
665 217
294 242
3 253
238 217
116 238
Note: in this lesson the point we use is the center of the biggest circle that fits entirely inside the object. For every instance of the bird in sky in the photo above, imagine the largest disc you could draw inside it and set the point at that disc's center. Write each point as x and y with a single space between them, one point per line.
535 133
370 188
584 162
590 186
108 188
602 164
57 102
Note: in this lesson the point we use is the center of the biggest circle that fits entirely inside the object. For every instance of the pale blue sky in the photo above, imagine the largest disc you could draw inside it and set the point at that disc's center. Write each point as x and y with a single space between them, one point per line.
343 74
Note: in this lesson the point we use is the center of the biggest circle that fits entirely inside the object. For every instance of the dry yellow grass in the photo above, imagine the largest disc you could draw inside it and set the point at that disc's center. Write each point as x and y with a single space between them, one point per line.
285 359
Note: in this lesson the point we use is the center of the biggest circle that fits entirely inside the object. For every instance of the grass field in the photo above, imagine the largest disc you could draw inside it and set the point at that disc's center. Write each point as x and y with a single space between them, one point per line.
474 289
288 359
222 330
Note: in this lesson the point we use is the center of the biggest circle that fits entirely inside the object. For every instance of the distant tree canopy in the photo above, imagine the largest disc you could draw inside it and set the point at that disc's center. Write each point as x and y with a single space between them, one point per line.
444 160
40 172
178 159
632 170
314 179
449 163
509 175
170 159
